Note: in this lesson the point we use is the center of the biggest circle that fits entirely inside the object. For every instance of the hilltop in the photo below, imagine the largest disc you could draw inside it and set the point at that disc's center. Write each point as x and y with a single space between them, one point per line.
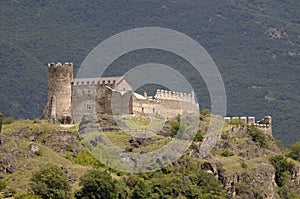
243 164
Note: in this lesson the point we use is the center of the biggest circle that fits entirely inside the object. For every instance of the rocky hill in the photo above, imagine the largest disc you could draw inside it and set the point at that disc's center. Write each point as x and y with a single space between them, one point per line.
245 162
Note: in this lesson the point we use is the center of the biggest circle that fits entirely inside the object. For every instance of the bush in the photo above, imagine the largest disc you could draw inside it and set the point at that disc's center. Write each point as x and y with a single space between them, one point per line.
287 193
283 169
175 128
295 151
8 120
199 137
97 185
257 136
51 182
244 165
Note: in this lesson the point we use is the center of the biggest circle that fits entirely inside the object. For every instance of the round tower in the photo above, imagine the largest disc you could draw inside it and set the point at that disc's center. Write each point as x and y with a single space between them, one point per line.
59 105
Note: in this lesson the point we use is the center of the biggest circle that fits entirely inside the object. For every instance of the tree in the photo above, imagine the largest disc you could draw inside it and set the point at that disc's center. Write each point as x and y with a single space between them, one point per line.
97 185
295 151
283 169
51 182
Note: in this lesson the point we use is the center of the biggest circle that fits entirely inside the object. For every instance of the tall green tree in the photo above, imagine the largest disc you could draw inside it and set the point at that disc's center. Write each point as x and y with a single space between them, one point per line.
97 185
51 182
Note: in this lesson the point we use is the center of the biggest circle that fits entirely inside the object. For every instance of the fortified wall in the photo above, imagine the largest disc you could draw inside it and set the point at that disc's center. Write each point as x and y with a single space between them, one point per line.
165 103
265 125
59 104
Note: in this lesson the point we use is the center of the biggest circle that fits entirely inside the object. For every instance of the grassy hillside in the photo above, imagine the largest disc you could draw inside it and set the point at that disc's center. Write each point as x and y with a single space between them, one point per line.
260 73
239 165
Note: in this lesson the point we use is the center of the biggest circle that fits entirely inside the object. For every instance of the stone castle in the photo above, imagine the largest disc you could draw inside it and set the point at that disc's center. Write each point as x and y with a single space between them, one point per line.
70 99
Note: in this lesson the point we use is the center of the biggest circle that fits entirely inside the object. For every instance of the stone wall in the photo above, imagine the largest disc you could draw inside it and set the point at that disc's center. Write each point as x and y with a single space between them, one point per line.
59 105
265 124
165 103
96 95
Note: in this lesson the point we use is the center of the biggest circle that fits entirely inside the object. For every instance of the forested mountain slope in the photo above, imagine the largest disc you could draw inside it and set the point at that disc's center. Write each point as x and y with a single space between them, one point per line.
254 43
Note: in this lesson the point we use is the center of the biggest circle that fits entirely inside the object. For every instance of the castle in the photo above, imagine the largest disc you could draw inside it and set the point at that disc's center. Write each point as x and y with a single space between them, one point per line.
70 99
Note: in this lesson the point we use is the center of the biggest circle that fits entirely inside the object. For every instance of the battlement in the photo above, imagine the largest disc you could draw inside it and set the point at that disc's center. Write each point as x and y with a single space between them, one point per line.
94 81
171 95
59 65
265 123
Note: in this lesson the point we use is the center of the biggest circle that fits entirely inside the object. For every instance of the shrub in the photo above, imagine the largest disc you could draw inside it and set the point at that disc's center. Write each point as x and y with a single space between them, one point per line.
295 151
257 136
175 128
283 169
51 182
97 185
199 137
244 165
8 120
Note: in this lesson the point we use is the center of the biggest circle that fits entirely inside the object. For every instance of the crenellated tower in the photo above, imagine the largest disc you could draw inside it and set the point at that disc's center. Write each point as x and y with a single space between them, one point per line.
59 105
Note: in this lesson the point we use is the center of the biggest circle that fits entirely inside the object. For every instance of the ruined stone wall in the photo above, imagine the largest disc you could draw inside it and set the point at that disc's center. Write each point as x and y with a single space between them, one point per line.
59 104
265 124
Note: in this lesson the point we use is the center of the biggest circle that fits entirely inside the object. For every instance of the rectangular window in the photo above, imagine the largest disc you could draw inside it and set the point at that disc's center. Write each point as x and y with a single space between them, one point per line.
89 106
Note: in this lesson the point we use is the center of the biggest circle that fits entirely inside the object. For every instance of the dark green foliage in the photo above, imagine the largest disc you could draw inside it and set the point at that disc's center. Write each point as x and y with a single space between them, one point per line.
97 185
257 136
175 128
8 120
294 151
187 180
51 182
283 169
199 136
286 192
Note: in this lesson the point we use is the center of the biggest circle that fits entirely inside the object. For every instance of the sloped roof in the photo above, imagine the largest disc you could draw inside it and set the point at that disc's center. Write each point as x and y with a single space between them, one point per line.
138 96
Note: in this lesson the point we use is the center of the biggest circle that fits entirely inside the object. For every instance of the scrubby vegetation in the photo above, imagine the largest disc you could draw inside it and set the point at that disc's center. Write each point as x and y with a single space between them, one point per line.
51 182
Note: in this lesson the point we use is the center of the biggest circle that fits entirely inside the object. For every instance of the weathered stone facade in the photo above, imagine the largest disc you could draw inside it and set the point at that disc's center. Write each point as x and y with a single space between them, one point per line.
59 105
69 100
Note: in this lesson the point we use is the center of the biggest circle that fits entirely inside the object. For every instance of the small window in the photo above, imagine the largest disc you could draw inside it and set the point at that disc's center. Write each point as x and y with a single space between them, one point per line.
89 107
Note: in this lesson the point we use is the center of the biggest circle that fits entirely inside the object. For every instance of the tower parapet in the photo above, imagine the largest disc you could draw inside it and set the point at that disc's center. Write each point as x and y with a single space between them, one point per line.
59 105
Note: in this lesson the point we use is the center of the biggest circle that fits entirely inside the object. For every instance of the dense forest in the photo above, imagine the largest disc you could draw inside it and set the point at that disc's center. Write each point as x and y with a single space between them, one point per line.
254 43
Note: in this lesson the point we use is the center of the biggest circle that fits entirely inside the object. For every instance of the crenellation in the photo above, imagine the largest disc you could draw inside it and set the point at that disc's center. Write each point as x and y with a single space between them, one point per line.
264 125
